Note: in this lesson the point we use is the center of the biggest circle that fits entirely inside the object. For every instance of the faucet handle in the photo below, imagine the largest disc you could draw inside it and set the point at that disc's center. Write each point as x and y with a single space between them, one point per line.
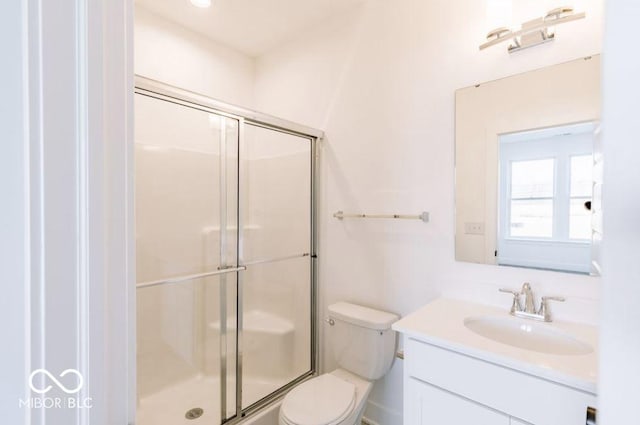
560 299
516 306
544 308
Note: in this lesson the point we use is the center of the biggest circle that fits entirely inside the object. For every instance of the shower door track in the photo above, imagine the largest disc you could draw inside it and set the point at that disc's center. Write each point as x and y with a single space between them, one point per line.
161 91
187 98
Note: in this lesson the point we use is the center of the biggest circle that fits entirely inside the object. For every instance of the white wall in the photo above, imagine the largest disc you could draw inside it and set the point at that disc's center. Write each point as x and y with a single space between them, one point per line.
172 54
380 81
620 326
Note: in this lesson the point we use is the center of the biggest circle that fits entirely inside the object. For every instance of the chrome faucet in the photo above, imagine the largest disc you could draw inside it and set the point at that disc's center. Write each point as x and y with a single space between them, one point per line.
529 303
529 311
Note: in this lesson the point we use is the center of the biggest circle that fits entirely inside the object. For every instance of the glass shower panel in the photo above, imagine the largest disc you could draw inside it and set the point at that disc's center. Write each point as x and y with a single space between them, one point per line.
183 192
186 223
276 242
276 194
179 351
276 329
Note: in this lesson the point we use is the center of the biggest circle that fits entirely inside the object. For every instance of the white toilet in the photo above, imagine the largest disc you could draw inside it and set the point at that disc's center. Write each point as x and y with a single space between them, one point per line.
364 346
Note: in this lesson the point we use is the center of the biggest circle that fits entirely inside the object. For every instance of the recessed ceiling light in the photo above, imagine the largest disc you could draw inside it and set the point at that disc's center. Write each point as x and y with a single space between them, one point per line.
201 3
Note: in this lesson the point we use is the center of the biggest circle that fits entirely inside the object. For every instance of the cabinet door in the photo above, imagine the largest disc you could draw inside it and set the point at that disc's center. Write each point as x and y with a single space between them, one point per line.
429 405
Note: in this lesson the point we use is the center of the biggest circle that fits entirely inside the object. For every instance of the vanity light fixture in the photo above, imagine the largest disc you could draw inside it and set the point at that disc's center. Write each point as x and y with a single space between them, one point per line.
534 32
201 3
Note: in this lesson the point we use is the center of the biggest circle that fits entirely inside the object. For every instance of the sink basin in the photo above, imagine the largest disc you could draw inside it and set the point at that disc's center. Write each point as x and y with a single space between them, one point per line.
531 336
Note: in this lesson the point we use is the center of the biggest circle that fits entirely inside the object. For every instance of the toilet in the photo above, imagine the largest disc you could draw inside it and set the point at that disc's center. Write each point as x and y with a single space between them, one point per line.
364 347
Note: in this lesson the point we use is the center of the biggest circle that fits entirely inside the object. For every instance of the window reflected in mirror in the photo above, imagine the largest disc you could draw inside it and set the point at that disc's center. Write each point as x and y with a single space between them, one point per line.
545 181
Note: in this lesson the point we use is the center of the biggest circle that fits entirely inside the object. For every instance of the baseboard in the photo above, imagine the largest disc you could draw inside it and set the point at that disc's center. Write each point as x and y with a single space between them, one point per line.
376 414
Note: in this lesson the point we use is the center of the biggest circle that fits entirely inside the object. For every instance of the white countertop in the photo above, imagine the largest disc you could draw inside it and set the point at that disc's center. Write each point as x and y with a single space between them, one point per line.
441 323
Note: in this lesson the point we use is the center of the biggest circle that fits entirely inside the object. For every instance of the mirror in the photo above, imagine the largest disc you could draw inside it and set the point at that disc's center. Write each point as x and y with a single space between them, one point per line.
525 157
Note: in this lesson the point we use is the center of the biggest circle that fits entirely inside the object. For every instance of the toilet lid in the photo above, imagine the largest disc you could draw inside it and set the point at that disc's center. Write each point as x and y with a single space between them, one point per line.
325 400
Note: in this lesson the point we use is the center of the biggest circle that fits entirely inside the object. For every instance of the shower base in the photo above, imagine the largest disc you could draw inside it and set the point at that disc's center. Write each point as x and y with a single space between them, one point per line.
170 405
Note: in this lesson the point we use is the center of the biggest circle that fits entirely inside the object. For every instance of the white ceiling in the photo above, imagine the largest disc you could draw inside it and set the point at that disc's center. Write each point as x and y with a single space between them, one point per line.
251 26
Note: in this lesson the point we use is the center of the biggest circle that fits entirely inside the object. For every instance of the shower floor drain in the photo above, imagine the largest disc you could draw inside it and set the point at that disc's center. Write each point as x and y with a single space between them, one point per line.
194 413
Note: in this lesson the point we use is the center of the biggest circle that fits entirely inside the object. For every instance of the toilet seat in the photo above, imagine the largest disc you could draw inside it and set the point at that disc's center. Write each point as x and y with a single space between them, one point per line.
324 400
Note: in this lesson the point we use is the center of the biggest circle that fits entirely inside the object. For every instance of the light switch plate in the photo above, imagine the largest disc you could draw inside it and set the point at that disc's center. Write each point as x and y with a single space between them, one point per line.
474 228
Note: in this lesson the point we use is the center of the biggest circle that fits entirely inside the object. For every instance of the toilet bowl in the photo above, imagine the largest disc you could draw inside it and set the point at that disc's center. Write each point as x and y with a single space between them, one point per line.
336 398
364 347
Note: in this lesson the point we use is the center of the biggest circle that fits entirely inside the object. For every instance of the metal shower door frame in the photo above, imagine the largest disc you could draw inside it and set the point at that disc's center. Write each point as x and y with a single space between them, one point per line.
161 91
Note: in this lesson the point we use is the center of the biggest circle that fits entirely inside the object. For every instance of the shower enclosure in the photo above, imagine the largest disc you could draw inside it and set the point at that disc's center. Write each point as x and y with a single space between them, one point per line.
225 244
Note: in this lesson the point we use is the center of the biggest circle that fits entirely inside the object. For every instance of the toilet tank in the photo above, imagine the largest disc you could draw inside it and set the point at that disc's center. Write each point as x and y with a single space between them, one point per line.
363 342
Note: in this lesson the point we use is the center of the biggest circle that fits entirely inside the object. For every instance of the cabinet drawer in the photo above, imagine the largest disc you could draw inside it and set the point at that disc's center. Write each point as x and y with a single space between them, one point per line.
517 394
429 405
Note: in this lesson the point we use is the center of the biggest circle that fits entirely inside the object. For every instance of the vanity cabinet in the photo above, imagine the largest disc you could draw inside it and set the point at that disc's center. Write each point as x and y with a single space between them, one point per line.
445 387
426 404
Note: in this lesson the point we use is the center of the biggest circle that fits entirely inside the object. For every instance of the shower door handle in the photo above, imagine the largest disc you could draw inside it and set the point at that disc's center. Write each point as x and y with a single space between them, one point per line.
182 279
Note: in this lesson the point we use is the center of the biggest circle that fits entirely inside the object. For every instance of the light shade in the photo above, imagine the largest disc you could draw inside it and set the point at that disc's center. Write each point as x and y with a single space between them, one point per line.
201 3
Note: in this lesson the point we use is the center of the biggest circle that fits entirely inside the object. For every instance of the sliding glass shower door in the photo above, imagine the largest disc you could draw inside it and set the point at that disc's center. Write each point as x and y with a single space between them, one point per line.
225 252
276 245
186 229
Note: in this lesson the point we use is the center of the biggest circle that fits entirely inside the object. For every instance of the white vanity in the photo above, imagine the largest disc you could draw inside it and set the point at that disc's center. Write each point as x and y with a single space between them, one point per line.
468 363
